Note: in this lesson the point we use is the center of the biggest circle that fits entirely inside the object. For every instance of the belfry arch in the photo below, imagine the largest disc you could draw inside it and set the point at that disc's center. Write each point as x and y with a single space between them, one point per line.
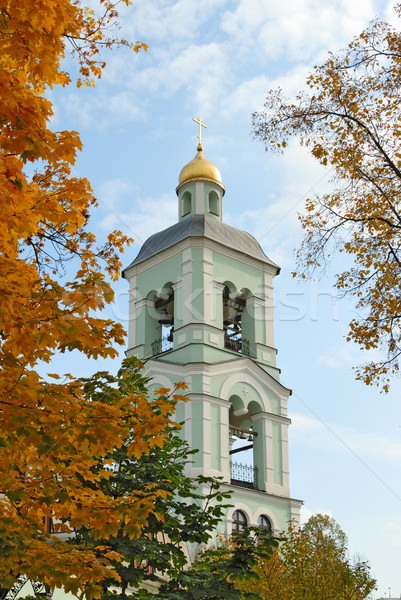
164 307
244 459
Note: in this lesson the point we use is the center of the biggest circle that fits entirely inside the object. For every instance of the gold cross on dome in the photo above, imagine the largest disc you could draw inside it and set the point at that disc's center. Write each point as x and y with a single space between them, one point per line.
201 124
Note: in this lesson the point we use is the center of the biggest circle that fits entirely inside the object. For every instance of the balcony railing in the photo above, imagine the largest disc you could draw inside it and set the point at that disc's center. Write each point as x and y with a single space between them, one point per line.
238 345
244 475
161 345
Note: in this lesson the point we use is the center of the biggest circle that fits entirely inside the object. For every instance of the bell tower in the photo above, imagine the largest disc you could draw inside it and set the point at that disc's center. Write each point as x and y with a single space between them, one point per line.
201 311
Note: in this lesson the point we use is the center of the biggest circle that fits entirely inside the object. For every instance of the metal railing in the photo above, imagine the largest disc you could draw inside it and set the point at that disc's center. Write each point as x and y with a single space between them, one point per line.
161 345
244 475
238 345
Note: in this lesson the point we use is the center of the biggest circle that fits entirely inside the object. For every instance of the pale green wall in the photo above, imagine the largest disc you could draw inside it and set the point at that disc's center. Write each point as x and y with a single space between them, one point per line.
281 512
241 275
158 275
197 432
180 413
197 284
215 442
259 450
196 384
277 453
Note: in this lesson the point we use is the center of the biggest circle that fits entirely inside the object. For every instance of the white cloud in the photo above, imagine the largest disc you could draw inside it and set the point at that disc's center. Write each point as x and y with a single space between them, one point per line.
277 226
310 431
203 71
247 97
346 355
200 74
390 15
294 29
205 65
340 356
101 110
303 425
307 513
292 80
214 59
391 533
170 23
113 190
150 215
273 227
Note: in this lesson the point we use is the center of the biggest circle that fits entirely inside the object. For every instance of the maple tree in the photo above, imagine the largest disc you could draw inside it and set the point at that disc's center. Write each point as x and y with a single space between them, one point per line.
53 278
70 477
312 563
64 465
350 120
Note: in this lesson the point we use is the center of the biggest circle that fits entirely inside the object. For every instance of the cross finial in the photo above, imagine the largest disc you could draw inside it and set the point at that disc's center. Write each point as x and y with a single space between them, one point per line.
201 124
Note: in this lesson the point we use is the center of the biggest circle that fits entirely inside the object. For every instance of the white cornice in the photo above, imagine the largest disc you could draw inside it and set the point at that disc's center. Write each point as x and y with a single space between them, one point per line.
271 417
274 498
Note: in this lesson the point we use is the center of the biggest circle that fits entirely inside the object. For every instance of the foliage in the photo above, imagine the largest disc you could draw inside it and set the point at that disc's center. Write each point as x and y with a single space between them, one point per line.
185 514
51 434
224 570
312 563
350 120
323 529
69 482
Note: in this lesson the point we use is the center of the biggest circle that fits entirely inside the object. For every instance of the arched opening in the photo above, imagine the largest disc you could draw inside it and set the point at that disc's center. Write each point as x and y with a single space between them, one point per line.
244 463
214 203
240 522
186 203
164 305
234 303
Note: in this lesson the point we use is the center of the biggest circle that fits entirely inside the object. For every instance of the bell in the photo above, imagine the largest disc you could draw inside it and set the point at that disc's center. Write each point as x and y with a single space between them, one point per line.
240 412
165 318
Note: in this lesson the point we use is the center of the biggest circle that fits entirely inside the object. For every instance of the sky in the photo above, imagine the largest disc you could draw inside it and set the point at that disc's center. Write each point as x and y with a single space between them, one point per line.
217 59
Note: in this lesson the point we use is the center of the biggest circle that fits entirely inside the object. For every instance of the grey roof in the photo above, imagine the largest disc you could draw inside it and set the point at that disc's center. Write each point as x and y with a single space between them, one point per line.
202 226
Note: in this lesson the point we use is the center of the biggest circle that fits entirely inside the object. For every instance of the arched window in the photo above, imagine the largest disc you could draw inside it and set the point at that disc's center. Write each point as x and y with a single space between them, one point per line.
233 305
240 522
213 203
186 203
238 321
164 305
265 525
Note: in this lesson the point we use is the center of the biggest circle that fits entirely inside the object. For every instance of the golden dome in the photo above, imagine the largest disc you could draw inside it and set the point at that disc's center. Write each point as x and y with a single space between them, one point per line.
200 168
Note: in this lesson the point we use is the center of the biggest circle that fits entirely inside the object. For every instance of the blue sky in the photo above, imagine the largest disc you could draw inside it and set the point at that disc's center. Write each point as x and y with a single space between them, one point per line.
216 59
